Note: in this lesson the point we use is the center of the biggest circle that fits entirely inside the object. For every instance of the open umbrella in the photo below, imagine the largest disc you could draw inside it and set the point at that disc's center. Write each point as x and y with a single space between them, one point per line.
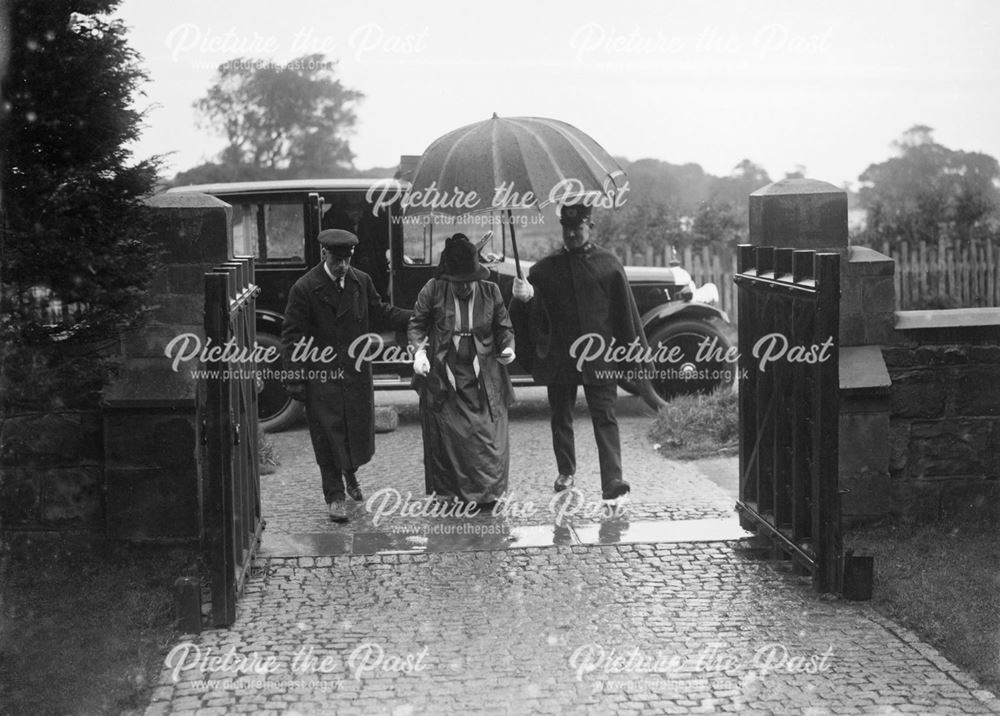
508 163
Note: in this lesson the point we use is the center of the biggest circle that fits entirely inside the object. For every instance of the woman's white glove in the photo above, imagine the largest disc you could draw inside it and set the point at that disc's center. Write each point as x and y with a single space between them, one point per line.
421 366
506 356
522 290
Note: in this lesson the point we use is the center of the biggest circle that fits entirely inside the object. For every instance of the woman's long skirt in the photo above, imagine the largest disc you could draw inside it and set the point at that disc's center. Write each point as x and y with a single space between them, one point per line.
466 448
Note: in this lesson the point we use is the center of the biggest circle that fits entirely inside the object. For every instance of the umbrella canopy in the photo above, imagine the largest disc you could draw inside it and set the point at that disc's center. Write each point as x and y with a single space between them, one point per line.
513 163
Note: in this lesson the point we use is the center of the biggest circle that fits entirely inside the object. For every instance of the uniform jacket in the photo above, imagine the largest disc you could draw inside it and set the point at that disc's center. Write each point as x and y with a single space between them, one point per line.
433 322
576 293
316 311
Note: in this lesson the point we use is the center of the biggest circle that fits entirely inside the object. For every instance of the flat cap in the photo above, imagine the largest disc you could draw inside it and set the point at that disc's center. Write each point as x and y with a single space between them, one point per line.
337 241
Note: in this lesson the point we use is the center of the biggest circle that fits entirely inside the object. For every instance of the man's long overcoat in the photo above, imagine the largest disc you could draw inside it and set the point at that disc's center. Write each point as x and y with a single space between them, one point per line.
316 311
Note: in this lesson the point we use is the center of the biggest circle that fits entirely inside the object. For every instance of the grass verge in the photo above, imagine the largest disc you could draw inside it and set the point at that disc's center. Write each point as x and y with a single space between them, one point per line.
696 426
267 456
941 580
86 631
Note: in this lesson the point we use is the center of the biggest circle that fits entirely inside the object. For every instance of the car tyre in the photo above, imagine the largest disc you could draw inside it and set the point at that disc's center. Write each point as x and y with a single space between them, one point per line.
276 410
696 377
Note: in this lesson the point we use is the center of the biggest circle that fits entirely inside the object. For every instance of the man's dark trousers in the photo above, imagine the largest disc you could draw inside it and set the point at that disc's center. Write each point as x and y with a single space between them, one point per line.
330 469
601 401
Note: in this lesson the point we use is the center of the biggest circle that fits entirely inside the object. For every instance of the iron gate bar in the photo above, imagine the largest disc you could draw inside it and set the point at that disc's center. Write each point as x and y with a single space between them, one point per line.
217 488
789 410
231 479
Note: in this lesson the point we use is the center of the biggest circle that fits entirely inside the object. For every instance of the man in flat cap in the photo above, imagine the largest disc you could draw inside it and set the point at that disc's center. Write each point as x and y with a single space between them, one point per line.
579 290
328 308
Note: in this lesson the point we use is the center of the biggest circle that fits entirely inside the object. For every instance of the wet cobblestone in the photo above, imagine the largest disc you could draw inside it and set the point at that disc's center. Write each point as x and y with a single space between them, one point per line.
661 489
646 628
707 628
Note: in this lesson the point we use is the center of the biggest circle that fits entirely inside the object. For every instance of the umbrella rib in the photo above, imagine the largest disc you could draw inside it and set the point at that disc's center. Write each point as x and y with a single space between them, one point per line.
576 142
498 158
573 139
454 147
541 142
495 151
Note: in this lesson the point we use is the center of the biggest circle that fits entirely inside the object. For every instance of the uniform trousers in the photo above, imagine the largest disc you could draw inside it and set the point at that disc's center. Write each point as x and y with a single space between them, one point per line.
601 401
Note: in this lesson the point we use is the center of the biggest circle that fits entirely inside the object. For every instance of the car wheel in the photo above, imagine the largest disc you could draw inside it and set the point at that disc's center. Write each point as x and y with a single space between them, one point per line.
630 387
276 411
687 375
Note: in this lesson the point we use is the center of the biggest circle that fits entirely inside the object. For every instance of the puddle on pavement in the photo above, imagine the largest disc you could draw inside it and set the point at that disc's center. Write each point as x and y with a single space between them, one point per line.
488 535
319 544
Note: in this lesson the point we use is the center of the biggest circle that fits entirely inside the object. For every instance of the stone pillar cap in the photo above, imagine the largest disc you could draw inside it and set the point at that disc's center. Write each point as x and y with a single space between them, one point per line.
184 200
798 186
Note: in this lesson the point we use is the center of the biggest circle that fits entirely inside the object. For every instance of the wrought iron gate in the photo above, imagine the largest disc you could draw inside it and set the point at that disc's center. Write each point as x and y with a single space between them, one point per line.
789 406
231 473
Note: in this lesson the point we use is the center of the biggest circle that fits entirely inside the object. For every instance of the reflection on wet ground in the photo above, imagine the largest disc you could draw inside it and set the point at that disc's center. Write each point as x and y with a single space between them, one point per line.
473 535
671 501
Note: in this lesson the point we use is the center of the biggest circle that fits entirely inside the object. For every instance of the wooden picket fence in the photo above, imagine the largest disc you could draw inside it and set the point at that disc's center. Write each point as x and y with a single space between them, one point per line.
705 265
968 274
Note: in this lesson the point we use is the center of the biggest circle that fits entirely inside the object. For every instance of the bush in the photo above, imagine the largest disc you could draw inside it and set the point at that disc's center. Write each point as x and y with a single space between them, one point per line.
695 426
75 260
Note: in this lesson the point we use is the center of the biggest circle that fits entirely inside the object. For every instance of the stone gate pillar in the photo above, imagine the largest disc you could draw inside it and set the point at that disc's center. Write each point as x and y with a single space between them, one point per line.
151 429
812 214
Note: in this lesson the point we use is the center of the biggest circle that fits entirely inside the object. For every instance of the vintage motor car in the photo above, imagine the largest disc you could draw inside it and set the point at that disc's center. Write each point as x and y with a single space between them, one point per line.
277 221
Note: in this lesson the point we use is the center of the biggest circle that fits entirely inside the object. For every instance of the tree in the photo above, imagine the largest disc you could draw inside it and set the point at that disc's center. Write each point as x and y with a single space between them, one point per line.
927 191
723 218
660 196
735 190
718 224
73 221
279 120
681 205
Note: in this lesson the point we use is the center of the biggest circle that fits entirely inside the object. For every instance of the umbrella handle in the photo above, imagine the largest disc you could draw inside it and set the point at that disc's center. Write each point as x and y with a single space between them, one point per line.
513 245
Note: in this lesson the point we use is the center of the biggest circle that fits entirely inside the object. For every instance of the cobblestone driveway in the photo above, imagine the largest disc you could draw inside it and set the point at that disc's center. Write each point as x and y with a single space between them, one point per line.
662 489
707 629
683 627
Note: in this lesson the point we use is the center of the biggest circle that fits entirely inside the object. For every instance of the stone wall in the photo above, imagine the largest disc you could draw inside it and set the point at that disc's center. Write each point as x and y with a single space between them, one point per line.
51 472
131 470
944 412
151 427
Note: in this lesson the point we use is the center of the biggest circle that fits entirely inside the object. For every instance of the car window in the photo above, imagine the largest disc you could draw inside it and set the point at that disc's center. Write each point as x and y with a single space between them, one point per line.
269 231
421 244
423 239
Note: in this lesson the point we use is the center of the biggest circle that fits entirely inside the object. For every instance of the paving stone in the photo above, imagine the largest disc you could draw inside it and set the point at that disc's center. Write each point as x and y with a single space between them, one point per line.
511 625
651 628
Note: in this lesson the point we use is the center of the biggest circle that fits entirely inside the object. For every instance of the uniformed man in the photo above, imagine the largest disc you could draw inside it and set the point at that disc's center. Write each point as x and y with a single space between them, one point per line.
328 308
579 290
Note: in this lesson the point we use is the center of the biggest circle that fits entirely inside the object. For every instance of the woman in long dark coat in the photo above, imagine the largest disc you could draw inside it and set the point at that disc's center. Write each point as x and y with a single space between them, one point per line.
463 341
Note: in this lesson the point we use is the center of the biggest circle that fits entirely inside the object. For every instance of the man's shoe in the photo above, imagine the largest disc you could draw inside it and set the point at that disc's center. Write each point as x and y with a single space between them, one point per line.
563 482
352 487
616 489
338 512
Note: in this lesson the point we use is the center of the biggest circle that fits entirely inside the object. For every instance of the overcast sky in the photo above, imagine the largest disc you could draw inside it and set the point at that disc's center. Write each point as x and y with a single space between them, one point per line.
824 85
